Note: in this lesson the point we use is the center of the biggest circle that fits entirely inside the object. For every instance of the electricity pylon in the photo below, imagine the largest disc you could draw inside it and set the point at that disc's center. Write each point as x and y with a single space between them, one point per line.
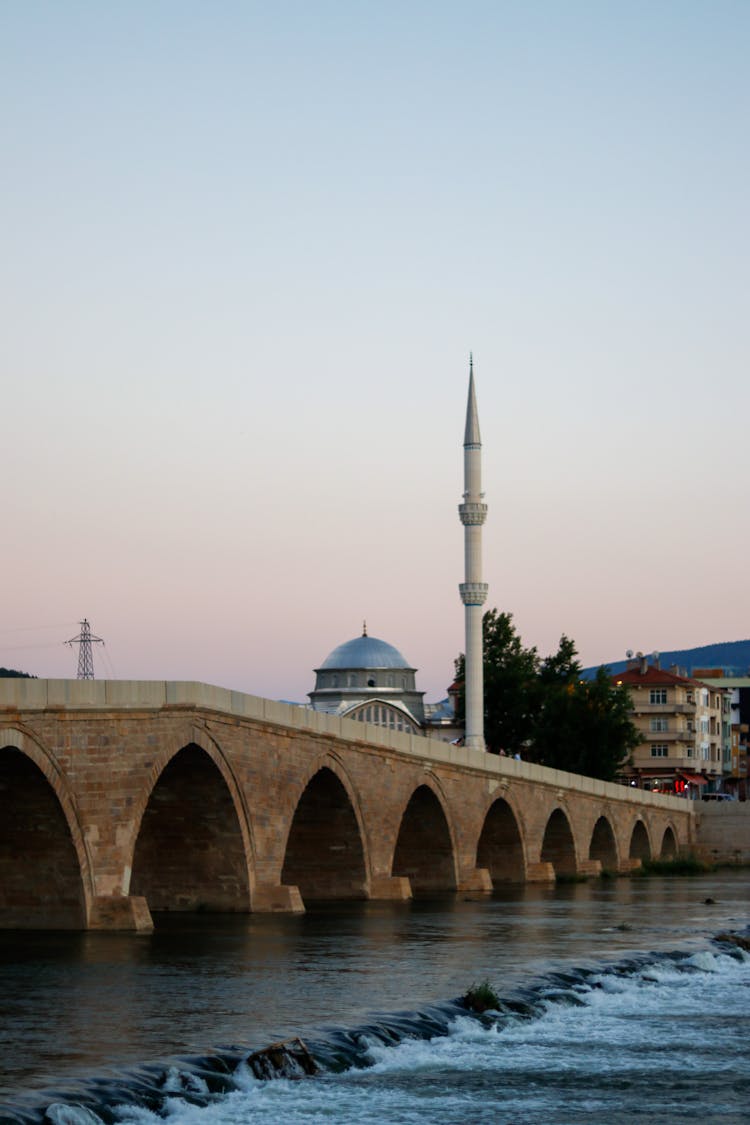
85 640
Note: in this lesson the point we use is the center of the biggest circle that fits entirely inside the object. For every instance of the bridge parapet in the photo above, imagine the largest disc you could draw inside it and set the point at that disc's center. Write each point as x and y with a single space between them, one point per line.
140 695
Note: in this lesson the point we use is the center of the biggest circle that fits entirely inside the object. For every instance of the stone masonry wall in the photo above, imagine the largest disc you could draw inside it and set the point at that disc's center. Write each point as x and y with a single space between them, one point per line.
151 823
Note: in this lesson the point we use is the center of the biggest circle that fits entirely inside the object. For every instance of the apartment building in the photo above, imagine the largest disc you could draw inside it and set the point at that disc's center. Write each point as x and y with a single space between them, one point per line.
685 726
736 751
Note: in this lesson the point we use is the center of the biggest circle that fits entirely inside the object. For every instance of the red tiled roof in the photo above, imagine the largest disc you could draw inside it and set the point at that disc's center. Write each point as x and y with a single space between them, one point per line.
660 677
652 675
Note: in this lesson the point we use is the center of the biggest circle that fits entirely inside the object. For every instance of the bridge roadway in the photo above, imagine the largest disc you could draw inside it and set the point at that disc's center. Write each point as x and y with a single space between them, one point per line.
119 798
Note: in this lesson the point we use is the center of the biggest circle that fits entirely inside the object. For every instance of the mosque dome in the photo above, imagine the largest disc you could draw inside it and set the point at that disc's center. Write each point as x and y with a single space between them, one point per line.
367 679
364 653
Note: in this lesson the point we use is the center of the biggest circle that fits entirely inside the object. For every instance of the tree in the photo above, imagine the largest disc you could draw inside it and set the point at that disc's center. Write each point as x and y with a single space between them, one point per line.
545 710
584 727
555 727
563 668
511 688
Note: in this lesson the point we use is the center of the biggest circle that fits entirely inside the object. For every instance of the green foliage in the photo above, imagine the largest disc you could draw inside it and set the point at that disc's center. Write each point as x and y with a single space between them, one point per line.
584 726
10 673
481 998
682 865
543 710
511 684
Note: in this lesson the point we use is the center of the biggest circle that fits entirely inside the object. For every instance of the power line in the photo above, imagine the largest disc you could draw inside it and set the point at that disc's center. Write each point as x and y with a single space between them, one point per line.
108 663
25 648
39 628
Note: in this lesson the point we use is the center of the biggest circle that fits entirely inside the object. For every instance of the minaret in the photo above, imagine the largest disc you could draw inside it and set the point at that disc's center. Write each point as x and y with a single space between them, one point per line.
473 513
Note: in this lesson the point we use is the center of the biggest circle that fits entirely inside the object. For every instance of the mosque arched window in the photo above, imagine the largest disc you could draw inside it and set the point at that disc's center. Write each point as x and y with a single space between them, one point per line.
381 715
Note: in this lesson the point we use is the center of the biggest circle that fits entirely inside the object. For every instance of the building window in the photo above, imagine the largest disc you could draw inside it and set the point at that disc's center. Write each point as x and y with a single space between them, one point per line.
659 750
383 716
658 695
660 724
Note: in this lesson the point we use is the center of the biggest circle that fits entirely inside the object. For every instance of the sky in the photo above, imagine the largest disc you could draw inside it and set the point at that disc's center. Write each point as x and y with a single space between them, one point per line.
245 251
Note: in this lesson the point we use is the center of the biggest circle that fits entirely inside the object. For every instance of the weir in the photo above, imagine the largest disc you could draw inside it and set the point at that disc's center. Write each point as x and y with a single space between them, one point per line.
125 797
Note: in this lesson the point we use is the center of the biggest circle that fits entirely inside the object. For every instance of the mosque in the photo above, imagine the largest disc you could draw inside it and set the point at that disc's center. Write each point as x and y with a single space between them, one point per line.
368 680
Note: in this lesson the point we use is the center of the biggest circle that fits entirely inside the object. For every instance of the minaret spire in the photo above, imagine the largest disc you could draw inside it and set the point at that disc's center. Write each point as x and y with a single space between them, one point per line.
473 513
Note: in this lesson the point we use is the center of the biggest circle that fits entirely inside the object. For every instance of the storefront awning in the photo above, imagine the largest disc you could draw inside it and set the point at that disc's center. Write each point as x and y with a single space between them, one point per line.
695 778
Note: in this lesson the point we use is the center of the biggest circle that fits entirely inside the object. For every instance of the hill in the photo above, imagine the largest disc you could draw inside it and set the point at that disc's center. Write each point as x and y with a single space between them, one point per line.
731 656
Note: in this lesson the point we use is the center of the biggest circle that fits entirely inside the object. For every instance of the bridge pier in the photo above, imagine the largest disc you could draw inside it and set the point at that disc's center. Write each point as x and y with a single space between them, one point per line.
590 867
283 898
391 887
120 912
540 873
476 879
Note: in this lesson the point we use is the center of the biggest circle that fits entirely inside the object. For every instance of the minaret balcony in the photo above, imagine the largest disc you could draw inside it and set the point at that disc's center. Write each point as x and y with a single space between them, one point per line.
472 513
473 593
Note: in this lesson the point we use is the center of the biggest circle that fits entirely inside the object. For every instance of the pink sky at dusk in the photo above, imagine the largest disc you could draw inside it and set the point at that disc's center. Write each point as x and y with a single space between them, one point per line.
247 249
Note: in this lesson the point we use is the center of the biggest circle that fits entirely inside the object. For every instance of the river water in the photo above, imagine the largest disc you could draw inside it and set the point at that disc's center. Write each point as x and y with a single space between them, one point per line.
617 1006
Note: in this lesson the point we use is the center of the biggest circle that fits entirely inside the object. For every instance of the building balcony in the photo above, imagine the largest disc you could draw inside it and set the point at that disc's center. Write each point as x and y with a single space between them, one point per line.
663 708
685 736
675 763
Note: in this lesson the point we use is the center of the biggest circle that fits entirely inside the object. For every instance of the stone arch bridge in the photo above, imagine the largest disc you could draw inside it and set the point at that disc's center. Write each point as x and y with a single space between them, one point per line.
119 799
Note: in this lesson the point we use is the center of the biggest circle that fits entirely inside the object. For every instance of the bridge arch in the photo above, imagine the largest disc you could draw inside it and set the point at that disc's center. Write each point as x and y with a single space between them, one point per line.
640 842
558 844
603 844
191 847
668 849
425 849
500 848
46 877
325 855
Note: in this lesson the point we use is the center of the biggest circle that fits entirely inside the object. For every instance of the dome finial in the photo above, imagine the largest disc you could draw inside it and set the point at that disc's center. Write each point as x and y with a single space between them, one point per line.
364 628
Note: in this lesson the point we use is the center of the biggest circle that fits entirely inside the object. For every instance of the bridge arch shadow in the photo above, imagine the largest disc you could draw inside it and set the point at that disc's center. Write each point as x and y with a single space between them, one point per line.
324 854
44 867
424 851
668 848
190 852
603 845
640 845
558 845
500 847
